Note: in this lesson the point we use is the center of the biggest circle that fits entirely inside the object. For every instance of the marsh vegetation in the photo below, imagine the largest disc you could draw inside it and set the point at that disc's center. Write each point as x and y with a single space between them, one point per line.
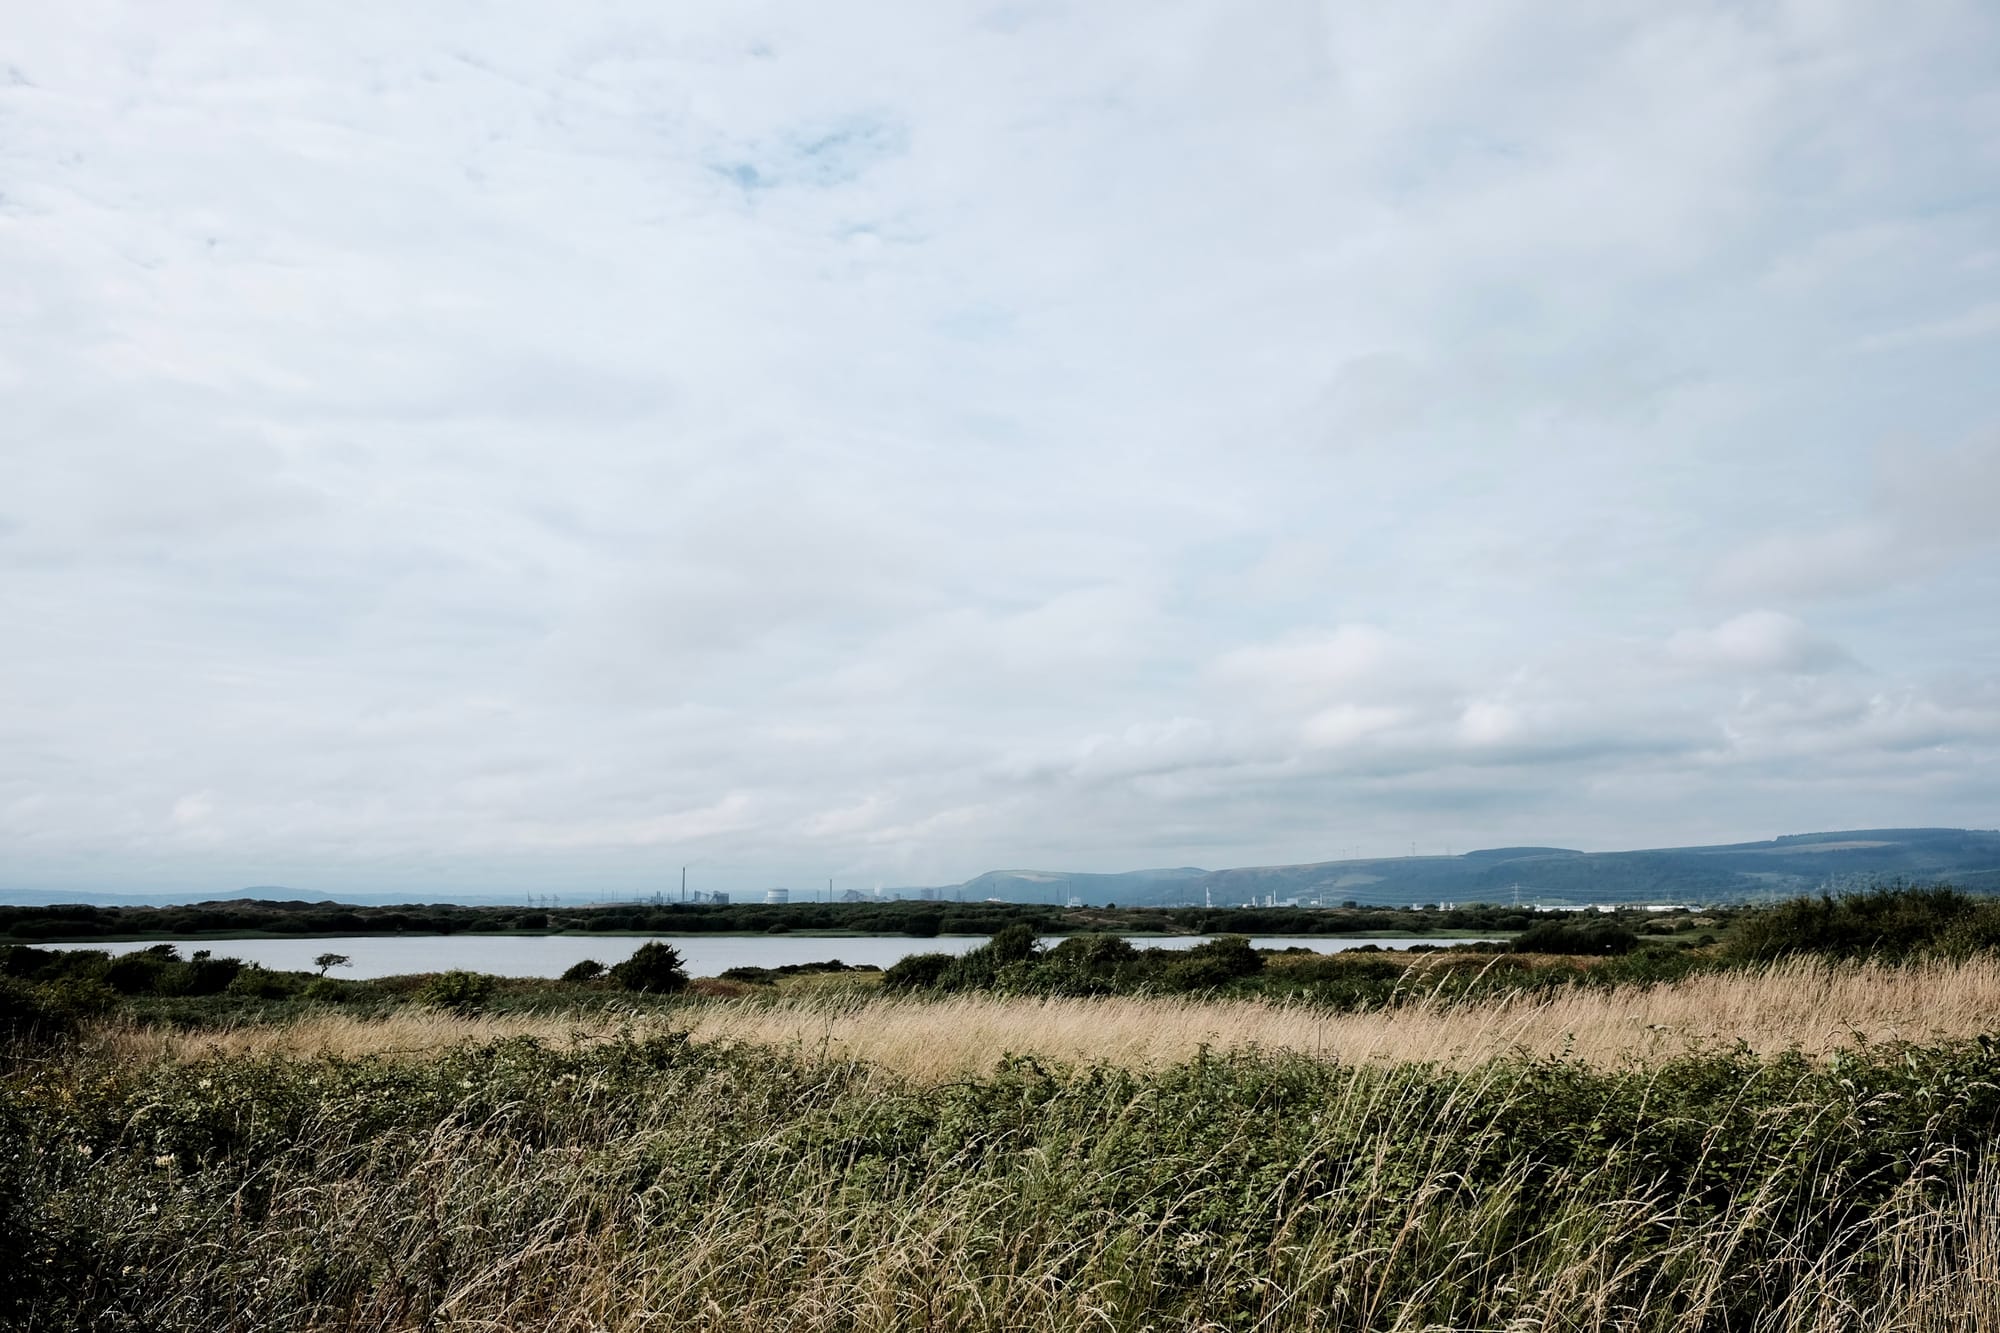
1795 1138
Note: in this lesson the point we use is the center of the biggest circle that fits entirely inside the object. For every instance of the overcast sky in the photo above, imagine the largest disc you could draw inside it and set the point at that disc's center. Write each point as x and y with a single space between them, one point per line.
458 446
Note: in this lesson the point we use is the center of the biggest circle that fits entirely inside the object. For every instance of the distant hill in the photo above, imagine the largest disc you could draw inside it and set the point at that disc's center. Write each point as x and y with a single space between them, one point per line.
1046 886
256 893
1798 863
1734 872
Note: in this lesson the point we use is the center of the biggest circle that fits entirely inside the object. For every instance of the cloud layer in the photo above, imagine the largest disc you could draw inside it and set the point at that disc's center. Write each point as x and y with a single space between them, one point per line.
459 447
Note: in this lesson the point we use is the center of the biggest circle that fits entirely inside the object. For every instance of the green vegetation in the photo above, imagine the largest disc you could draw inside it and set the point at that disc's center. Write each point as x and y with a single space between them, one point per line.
648 1183
50 992
1894 923
643 1180
920 920
653 966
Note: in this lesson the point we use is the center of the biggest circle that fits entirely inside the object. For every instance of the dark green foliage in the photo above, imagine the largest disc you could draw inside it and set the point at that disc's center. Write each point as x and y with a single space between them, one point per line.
1889 923
261 983
1088 965
653 966
327 990
35 1011
1014 943
459 991
765 976
1014 962
140 973
1213 964
921 919
1586 936
919 971
587 970
159 970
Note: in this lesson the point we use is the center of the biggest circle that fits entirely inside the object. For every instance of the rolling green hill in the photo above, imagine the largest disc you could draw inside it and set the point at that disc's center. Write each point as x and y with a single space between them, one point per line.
1800 863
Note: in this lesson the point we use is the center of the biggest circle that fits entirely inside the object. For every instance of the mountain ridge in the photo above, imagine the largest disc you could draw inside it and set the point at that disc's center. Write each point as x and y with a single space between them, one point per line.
1720 872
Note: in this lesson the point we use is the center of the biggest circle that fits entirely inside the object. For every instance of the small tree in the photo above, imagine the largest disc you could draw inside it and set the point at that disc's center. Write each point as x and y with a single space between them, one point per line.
587 970
327 960
653 966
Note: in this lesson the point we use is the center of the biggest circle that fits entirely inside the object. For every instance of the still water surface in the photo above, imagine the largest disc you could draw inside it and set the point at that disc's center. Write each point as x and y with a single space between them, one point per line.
705 955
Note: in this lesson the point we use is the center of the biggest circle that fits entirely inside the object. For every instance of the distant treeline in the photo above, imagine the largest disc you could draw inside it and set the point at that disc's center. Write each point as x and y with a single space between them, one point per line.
919 919
52 991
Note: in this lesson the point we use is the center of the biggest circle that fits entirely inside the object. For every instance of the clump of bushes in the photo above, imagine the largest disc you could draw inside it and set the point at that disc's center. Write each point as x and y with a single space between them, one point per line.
1887 923
1013 961
1596 938
770 976
1212 964
919 971
654 967
48 992
41 1011
459 991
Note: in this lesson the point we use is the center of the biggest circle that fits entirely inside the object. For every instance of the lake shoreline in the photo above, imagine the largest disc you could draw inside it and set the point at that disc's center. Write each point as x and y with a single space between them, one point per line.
708 954
175 937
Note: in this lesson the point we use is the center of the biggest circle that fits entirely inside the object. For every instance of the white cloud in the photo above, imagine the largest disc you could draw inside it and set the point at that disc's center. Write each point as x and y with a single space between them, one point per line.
1350 660
479 449
1757 641
1928 508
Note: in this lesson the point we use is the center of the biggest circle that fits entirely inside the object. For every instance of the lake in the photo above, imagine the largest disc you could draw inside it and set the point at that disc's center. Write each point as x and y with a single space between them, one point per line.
705 955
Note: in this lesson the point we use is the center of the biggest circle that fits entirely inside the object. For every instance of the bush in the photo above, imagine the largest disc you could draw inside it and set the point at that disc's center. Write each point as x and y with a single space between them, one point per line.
325 990
1012 944
40 1011
654 967
1214 963
139 973
199 975
1888 923
920 971
459 991
587 970
257 982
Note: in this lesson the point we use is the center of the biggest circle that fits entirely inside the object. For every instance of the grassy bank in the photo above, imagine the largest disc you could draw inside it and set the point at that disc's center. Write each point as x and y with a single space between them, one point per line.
1813 1008
661 1182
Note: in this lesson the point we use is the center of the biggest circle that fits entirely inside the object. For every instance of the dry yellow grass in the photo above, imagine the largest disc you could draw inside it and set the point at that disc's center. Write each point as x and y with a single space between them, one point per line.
1814 1008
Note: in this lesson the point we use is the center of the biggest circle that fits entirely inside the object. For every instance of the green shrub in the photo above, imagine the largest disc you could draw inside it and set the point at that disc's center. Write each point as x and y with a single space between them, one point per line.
654 966
1212 964
1085 965
35 1012
199 975
1887 923
587 970
457 990
140 972
919 971
257 982
326 990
